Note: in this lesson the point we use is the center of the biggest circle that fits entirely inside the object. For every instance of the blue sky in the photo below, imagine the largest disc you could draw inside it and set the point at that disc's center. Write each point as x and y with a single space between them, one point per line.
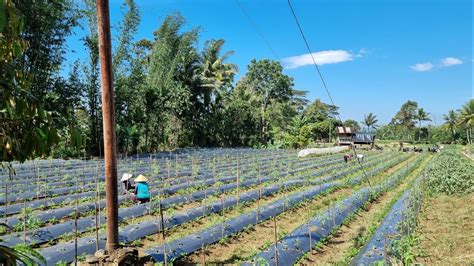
374 54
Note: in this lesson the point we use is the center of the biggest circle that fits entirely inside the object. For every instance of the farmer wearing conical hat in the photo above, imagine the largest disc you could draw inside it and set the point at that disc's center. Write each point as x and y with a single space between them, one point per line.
127 183
142 193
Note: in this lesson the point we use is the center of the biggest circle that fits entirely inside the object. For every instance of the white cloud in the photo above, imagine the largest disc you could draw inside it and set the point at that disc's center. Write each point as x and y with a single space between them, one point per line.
450 61
422 67
321 58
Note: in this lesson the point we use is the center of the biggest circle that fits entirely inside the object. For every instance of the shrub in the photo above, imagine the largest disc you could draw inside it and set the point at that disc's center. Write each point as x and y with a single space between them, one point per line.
451 174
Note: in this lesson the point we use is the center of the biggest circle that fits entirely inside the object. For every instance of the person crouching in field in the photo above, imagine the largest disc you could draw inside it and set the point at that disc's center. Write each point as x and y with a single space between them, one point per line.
142 193
126 183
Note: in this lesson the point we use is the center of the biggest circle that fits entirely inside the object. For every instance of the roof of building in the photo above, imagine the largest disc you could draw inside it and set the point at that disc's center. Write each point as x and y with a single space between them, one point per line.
343 130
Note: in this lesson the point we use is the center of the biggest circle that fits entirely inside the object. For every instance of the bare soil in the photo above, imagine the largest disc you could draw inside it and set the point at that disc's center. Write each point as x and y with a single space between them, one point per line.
447 231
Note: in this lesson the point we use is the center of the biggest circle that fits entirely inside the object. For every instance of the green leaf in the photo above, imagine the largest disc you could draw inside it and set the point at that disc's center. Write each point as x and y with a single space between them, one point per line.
3 15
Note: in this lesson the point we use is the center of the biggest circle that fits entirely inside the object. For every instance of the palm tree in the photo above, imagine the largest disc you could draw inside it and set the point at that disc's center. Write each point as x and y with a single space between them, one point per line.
216 76
466 118
370 120
451 121
421 116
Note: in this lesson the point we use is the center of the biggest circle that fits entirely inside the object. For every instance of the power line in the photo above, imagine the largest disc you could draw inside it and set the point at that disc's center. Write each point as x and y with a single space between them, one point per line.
254 26
323 81
311 53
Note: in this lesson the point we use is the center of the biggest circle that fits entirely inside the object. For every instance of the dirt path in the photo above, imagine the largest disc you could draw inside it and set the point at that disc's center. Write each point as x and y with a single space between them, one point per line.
344 244
447 231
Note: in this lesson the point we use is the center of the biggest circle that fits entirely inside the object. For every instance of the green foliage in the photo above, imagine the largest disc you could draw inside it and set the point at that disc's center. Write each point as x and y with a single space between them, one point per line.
407 114
318 111
451 174
26 129
354 125
20 254
370 120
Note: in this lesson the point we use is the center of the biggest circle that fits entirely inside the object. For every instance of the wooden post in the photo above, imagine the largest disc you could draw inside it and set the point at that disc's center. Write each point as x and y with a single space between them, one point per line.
75 222
24 221
223 216
275 234
203 255
238 183
258 204
37 182
163 233
98 194
108 115
310 240
96 224
6 203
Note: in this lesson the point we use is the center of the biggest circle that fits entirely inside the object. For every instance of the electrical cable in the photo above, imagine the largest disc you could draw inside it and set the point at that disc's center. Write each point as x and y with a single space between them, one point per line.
324 82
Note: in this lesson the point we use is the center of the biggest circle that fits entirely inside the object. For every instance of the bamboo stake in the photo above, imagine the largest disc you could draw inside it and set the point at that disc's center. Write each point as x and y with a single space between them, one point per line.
24 221
275 239
37 182
238 183
203 255
97 208
6 203
310 240
163 233
223 216
98 195
75 225
176 165
258 204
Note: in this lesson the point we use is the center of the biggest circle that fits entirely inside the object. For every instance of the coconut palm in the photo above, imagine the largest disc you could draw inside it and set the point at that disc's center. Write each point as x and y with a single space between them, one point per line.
370 121
451 121
421 116
216 75
466 118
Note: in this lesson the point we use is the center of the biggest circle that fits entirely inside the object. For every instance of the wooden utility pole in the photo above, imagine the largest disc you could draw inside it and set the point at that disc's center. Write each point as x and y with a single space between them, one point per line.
108 116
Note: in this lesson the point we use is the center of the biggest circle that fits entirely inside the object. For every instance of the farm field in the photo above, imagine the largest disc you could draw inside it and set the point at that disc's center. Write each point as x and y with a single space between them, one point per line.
236 133
218 205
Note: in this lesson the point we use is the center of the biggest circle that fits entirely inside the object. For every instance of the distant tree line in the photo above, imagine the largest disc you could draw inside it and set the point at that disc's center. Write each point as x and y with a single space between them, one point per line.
169 92
407 125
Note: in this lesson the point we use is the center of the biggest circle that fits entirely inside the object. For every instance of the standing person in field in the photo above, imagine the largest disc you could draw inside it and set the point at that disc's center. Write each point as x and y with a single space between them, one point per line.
142 193
347 157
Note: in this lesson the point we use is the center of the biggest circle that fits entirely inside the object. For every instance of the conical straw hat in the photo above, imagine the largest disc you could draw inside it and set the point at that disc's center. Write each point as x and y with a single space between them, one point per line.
141 178
126 177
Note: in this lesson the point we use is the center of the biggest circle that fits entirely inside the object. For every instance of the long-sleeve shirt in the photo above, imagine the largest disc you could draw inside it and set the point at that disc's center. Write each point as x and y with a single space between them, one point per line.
141 190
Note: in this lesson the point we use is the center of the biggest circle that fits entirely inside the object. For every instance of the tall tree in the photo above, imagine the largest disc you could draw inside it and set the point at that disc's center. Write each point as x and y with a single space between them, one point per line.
319 111
404 119
170 83
47 24
26 130
421 116
406 115
129 77
451 121
266 80
354 125
466 118
91 73
370 120
216 77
